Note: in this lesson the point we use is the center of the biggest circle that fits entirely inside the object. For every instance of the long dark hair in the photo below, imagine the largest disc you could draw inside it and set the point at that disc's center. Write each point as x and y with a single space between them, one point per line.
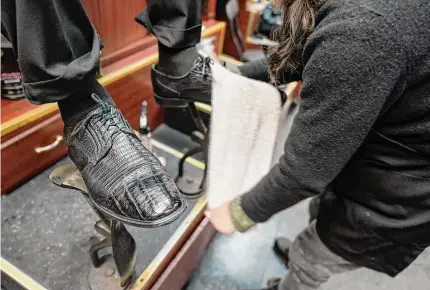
298 22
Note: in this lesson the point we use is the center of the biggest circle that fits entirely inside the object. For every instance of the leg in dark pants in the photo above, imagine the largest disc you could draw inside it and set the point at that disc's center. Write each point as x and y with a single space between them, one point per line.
312 263
56 46
281 247
58 52
175 24
181 76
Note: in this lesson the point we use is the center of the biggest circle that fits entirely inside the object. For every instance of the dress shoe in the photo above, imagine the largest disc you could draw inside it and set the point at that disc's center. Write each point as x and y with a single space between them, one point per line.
281 247
124 180
272 284
178 91
314 206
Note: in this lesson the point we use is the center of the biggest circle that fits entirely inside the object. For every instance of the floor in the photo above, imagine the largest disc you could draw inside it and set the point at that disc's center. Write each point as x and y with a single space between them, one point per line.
246 261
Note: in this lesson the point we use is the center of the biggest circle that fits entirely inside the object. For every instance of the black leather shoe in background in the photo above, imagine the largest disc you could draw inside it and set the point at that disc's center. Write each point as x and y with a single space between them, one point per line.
124 180
178 91
281 247
272 284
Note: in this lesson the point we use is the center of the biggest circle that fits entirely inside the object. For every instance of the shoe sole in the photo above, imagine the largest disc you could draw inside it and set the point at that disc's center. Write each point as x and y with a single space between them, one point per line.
154 224
171 102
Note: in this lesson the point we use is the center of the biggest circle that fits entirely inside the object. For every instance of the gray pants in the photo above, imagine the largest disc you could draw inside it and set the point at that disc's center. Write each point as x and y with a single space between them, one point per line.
311 262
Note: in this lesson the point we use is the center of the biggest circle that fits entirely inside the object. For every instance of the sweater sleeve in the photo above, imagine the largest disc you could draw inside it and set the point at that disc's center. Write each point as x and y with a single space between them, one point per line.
351 70
258 70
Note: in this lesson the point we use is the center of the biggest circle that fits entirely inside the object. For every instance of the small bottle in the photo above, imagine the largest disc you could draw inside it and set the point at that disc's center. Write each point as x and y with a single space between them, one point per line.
145 132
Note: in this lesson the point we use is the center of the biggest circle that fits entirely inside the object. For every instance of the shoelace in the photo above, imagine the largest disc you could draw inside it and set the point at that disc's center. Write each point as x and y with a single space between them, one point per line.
107 115
104 105
203 64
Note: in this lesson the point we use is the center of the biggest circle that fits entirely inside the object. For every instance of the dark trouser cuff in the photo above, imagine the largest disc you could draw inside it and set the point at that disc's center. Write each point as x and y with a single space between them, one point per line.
171 37
78 78
59 89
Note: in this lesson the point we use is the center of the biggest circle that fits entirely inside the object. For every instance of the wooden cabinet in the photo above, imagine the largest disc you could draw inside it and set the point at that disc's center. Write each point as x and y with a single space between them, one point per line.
29 151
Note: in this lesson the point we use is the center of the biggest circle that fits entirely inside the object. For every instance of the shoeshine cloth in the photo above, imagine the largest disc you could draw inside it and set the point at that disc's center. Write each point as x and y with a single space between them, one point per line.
245 123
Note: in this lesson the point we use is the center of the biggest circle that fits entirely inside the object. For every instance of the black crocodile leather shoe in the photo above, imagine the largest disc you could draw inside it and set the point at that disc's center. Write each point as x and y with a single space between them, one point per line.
125 181
178 91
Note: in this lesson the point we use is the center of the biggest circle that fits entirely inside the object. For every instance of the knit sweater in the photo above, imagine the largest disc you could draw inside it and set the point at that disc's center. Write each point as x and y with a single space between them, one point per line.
362 134
258 70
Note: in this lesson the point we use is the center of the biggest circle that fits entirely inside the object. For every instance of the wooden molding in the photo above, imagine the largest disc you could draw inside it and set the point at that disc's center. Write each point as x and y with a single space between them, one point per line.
159 264
18 276
229 59
187 259
222 38
253 20
27 118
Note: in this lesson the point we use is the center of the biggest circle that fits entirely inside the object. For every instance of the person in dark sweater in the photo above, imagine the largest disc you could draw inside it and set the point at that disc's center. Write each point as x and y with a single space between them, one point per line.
258 70
361 138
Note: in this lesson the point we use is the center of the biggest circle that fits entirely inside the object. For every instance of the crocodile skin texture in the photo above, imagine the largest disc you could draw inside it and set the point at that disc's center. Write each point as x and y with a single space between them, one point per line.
124 179
194 86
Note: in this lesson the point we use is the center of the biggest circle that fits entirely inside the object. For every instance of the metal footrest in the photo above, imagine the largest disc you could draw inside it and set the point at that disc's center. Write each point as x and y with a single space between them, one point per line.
186 184
117 267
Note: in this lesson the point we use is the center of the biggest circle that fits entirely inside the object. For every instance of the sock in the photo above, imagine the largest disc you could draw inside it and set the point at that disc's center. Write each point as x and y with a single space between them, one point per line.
75 108
174 61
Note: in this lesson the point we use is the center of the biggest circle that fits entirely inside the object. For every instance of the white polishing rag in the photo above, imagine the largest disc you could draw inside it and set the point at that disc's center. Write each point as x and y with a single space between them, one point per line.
243 132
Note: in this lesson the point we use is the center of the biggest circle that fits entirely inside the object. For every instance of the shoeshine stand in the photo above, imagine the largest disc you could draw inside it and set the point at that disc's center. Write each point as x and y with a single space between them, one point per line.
188 186
121 256
108 272
119 268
